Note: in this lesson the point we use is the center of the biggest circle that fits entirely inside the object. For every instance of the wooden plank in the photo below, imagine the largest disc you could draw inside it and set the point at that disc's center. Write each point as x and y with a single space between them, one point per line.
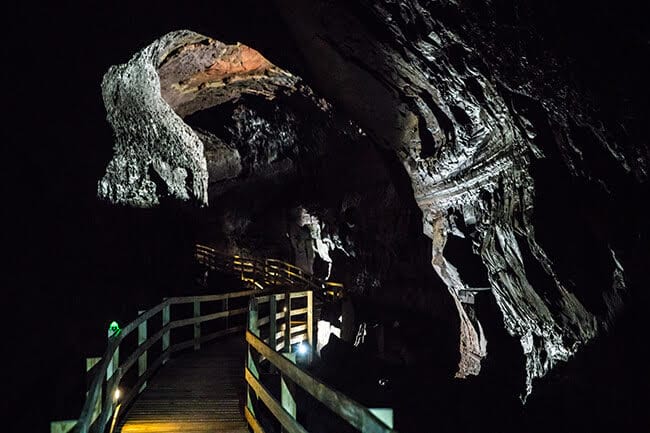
210 298
273 321
196 392
310 323
143 317
208 317
91 366
197 325
351 411
279 335
287 322
115 358
232 330
62 426
252 421
95 389
251 364
153 368
165 355
253 324
166 314
266 269
109 399
298 328
287 391
299 311
189 343
290 424
385 414
126 365
139 354
261 321
266 319
225 307
263 299
142 359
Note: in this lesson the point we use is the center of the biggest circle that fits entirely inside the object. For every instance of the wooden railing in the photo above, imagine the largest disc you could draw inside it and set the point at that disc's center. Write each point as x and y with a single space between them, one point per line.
265 274
109 375
263 337
276 322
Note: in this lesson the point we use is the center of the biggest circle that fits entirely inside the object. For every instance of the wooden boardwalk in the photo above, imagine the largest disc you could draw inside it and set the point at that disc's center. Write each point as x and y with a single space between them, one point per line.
197 392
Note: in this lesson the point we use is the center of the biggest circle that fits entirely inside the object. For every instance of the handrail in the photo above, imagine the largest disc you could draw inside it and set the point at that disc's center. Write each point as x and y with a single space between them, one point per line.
269 274
107 374
284 410
264 273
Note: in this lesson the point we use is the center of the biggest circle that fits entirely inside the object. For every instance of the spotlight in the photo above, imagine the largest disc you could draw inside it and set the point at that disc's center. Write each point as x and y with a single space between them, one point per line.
117 394
302 349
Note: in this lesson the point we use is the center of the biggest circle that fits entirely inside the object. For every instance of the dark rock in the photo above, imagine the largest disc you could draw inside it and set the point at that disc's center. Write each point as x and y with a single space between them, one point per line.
472 123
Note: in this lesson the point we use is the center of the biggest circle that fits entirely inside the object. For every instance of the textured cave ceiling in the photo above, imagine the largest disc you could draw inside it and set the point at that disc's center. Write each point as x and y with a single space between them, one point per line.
444 116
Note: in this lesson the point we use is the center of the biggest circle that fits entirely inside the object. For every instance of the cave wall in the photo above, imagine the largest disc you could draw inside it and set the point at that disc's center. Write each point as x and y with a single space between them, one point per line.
470 98
155 152
487 131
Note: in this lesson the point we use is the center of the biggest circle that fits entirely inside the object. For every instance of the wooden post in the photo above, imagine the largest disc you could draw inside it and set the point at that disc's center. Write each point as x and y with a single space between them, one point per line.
112 381
226 308
90 363
252 317
287 322
142 359
165 321
252 367
310 324
114 363
287 391
241 266
62 426
197 326
385 415
273 324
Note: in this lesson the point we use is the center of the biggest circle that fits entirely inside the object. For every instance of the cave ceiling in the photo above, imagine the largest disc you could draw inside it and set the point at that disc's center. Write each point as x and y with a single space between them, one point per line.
465 132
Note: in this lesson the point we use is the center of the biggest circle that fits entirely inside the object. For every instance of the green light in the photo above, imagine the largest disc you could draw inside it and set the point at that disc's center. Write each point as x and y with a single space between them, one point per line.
113 329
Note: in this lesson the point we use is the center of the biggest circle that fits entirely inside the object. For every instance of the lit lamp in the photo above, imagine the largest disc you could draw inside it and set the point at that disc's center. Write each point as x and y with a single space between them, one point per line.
116 399
303 353
113 329
302 349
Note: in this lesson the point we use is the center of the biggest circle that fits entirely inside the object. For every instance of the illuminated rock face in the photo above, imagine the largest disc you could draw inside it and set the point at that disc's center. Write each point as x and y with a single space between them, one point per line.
478 124
145 100
482 147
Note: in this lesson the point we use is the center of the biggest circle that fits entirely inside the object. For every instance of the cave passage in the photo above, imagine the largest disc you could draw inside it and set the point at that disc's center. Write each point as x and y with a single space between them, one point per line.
478 219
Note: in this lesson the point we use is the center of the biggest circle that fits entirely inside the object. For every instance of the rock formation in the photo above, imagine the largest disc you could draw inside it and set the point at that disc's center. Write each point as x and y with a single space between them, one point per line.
422 81
179 74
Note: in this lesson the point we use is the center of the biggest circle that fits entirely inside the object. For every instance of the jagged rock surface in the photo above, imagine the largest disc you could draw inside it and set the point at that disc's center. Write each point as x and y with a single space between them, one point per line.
149 135
424 80
178 74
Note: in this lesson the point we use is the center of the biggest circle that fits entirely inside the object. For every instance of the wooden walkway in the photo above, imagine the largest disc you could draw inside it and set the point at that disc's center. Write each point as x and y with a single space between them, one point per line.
197 392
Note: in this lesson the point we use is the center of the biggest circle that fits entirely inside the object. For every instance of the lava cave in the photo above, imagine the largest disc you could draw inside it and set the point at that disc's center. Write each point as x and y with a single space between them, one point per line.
473 172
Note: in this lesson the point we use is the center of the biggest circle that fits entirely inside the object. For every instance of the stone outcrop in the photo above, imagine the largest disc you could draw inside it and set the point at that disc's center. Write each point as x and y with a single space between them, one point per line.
417 78
479 143
156 153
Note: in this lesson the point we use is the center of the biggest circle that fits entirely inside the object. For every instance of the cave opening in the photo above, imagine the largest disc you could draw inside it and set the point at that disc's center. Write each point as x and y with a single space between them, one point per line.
411 121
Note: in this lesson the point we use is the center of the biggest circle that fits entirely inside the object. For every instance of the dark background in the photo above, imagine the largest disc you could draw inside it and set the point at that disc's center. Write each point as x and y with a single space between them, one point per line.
72 263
